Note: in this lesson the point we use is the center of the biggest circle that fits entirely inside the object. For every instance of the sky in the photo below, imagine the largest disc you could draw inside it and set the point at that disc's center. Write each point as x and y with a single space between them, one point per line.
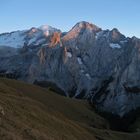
64 14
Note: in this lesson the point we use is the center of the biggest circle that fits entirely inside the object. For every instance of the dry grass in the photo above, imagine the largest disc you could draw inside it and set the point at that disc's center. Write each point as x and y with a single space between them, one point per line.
34 113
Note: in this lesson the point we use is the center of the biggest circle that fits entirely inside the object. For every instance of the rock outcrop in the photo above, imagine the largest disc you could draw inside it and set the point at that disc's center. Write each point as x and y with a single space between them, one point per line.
86 62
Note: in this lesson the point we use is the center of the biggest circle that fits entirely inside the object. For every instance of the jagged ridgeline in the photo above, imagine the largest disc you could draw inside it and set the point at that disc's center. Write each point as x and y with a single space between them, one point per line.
87 62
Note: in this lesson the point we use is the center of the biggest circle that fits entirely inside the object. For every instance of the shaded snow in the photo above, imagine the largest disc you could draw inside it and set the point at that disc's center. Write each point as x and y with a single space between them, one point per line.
18 38
14 39
69 54
98 34
40 41
79 60
88 76
82 71
46 44
102 33
34 38
46 28
76 48
124 41
114 45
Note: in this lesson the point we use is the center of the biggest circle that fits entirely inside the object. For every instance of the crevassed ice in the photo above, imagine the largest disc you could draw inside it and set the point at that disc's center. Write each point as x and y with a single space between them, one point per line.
114 45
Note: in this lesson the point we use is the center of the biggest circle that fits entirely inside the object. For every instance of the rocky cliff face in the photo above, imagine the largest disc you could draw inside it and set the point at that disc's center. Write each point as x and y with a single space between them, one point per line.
86 62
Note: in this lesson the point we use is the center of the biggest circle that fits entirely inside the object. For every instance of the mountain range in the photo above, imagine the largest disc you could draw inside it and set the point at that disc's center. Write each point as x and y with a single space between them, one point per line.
87 62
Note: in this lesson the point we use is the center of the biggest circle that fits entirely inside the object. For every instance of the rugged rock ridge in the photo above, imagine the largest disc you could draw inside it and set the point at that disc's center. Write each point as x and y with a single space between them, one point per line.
86 62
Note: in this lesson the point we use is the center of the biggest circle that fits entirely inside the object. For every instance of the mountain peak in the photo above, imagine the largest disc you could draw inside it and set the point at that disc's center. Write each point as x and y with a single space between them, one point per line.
48 30
46 27
116 35
86 25
82 27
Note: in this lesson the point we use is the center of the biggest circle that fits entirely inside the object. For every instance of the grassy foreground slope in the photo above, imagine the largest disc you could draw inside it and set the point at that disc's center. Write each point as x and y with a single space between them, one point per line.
29 112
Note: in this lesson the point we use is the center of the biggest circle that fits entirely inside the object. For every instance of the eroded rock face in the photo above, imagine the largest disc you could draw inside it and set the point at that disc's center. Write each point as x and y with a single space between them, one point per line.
56 39
86 62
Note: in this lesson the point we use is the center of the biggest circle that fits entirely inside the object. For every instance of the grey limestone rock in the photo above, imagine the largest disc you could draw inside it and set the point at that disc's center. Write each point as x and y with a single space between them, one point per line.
86 62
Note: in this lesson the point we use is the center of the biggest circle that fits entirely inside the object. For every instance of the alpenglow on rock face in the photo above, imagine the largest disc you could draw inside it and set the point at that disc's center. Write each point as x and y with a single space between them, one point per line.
86 62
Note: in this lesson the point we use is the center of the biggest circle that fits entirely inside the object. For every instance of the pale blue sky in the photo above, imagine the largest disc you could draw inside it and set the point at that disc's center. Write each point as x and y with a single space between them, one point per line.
63 14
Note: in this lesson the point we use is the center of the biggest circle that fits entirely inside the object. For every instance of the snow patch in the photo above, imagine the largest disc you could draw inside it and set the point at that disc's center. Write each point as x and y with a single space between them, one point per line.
46 44
88 76
101 33
79 60
14 39
98 34
114 45
82 71
76 48
69 54
123 41
48 30
34 38
40 41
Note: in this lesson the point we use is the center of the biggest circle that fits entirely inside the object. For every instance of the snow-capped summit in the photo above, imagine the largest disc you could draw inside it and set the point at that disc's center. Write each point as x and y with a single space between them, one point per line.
86 60
48 30
86 25
116 36
33 36
83 32
13 39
